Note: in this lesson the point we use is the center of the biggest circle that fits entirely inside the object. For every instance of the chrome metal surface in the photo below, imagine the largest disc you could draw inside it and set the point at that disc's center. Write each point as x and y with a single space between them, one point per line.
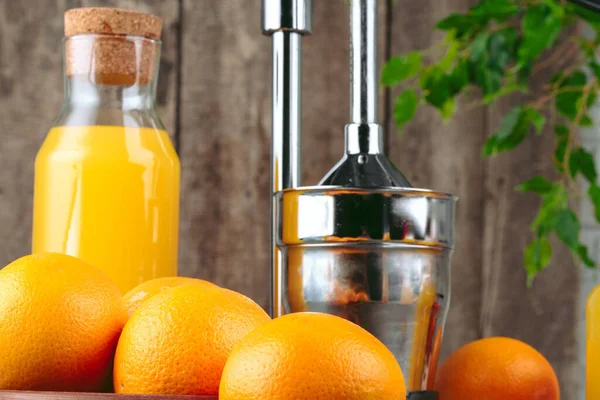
334 215
361 170
365 139
364 164
399 294
287 15
286 166
286 169
286 21
363 61
423 395
378 257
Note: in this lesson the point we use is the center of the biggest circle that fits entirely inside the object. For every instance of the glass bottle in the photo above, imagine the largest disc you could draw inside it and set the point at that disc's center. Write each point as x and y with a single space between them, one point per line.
107 175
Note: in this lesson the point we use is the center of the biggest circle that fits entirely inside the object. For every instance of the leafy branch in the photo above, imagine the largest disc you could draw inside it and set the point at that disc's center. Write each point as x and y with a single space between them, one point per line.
495 49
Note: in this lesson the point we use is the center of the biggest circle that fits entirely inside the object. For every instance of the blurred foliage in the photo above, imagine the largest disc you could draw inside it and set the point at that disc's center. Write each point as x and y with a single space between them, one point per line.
497 48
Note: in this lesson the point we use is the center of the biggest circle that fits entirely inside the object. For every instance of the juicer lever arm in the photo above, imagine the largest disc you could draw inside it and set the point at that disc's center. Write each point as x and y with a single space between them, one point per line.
363 62
286 21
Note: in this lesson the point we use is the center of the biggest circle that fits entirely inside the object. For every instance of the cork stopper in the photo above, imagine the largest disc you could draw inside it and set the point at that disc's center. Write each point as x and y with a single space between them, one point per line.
111 21
112 46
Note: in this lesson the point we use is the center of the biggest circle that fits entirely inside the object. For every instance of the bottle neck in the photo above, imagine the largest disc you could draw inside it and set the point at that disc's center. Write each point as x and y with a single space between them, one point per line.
80 92
110 72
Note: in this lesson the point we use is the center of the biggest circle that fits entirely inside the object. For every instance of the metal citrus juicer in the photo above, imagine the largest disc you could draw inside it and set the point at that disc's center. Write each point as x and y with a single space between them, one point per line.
363 244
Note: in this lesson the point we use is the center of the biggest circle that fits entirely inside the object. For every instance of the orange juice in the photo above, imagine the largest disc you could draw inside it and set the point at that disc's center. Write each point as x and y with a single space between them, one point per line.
110 196
593 345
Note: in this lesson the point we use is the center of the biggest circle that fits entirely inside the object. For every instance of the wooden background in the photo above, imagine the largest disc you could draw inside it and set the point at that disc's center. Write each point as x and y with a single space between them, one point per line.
214 97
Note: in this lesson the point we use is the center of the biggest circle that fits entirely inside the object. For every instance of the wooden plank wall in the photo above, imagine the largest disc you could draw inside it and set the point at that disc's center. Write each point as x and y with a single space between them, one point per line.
214 97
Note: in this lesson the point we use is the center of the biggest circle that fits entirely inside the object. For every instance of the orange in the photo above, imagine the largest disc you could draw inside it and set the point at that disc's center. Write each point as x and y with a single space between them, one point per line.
497 368
311 356
178 341
60 320
142 292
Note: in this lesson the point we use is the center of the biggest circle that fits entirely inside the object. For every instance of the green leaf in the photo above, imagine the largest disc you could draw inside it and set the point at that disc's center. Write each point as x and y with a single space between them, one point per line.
582 161
461 24
586 121
577 78
524 73
595 67
458 22
440 87
561 131
490 55
537 256
582 252
594 195
479 46
489 80
478 17
562 138
448 109
568 102
552 202
451 52
513 130
508 130
458 78
537 119
398 69
510 122
567 228
537 184
490 146
541 26
502 47
499 10
405 107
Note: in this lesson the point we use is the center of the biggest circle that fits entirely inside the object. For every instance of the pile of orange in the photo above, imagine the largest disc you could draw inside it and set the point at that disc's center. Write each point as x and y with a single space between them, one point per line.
65 326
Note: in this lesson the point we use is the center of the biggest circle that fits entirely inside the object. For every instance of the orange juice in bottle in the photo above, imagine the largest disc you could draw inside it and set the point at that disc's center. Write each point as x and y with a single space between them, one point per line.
592 356
107 176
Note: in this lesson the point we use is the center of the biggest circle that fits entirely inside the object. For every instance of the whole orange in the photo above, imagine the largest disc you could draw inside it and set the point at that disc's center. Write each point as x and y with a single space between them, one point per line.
60 320
497 368
311 356
178 341
142 292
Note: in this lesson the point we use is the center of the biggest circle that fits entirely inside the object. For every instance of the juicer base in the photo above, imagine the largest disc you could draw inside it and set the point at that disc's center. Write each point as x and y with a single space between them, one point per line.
423 395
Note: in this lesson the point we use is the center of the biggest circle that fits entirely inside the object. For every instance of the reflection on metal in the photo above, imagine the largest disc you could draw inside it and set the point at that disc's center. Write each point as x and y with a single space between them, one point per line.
379 257
285 21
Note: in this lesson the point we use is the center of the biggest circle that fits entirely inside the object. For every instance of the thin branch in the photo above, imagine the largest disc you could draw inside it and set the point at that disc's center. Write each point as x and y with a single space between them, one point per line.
556 56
